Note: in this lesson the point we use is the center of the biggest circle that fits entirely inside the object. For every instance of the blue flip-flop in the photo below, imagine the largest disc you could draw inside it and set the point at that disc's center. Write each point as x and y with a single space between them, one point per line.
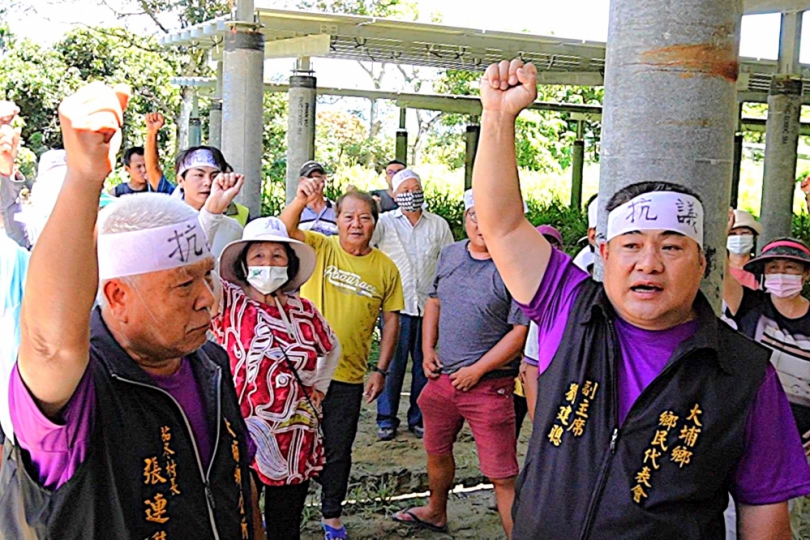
330 533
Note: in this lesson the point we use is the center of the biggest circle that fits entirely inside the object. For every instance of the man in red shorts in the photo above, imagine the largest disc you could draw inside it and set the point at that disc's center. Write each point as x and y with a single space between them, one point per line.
480 333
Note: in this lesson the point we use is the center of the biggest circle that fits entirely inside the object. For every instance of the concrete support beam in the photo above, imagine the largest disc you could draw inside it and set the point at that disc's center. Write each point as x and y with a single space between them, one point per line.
671 105
402 137
781 146
301 123
194 124
215 112
577 166
738 155
471 138
242 108
782 133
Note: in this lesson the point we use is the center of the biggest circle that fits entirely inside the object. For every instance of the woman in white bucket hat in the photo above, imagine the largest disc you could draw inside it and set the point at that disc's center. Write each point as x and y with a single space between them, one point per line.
282 355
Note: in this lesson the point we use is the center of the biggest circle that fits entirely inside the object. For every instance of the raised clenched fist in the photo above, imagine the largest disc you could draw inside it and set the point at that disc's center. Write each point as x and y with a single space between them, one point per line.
154 122
9 146
91 122
8 110
508 87
224 189
310 189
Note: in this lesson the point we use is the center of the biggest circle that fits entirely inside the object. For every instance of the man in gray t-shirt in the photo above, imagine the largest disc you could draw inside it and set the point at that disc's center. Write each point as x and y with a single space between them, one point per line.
478 310
480 334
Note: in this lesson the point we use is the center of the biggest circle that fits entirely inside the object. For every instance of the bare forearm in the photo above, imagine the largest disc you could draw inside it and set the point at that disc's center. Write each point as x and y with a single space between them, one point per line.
770 521
506 350
530 388
390 336
56 306
732 290
496 186
152 158
430 325
291 217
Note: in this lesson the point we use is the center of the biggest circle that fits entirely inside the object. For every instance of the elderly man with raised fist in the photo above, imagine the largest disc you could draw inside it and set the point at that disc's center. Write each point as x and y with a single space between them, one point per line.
125 418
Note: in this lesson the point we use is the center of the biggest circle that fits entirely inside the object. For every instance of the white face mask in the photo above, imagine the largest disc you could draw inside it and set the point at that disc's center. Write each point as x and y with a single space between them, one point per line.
784 285
740 244
267 279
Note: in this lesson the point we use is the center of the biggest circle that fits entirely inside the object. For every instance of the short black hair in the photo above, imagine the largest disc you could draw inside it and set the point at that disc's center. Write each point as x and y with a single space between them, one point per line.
240 263
395 162
219 159
632 191
360 196
591 199
134 151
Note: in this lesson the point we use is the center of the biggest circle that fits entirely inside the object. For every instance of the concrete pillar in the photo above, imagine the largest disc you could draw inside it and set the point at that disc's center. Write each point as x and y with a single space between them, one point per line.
194 124
670 106
471 137
242 106
577 167
781 145
782 134
402 137
301 123
737 167
215 112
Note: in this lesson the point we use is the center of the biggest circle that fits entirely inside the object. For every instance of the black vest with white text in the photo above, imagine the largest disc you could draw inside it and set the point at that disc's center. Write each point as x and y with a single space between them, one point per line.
666 471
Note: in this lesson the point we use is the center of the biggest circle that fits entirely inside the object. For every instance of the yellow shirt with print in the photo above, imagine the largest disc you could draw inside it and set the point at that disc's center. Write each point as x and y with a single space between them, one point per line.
350 291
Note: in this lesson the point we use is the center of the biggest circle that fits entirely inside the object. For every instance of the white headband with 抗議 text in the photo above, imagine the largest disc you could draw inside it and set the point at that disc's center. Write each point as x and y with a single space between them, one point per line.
151 250
658 210
201 157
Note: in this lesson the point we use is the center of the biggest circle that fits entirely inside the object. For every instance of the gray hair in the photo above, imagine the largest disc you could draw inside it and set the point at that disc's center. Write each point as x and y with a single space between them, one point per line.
141 212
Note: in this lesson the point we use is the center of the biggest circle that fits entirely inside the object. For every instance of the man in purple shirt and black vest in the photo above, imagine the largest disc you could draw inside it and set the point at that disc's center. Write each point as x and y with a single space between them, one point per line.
652 411
126 423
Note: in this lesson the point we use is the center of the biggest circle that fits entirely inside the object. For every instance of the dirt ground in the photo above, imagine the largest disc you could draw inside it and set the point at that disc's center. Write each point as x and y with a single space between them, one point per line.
383 471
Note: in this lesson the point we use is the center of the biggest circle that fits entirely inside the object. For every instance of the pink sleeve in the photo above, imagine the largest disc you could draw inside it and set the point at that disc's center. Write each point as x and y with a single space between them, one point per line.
56 449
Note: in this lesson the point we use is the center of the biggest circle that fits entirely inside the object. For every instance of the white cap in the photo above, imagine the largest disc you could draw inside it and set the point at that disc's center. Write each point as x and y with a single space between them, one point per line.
593 210
268 229
468 200
744 219
585 259
402 176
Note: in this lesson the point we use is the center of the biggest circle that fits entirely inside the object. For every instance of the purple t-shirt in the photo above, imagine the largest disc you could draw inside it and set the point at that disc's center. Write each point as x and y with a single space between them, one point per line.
773 467
57 449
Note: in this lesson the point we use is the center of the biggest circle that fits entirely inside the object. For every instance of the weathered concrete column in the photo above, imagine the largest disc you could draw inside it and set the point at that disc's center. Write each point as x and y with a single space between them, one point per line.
215 112
736 169
471 138
670 106
301 123
242 105
402 137
194 124
782 134
577 167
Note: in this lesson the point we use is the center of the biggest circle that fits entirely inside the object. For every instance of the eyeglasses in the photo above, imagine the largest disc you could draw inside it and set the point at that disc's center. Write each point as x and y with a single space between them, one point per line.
473 217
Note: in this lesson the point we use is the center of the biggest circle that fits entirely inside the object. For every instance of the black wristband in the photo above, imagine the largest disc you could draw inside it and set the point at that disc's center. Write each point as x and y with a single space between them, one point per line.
380 371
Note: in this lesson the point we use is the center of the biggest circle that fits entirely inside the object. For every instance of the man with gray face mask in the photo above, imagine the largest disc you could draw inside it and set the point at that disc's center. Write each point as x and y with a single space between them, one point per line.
413 238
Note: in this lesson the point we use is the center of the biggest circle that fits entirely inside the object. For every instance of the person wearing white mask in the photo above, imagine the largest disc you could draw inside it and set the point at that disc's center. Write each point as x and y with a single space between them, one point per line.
779 317
282 354
741 243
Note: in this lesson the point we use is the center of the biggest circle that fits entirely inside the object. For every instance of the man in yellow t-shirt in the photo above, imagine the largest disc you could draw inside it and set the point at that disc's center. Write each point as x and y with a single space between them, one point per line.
351 284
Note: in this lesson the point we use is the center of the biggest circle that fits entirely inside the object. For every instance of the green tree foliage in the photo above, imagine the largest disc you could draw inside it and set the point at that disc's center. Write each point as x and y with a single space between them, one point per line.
38 78
545 139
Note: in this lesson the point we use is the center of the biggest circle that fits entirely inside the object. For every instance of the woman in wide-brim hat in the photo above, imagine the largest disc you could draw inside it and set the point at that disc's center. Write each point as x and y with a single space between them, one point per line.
779 317
282 356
